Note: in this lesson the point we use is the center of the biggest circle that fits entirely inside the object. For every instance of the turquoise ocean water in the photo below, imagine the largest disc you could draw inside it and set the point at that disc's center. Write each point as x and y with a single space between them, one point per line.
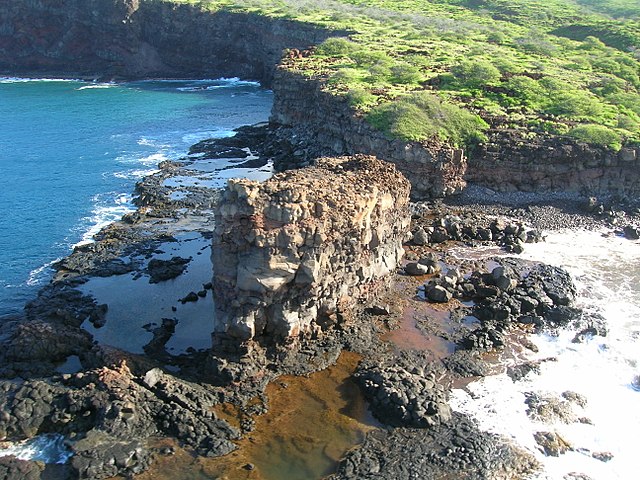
71 152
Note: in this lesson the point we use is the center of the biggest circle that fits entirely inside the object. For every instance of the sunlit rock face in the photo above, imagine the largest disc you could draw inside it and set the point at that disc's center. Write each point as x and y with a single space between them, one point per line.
290 254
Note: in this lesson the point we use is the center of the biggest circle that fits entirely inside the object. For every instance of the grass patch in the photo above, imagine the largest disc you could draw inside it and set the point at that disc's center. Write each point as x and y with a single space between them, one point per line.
423 116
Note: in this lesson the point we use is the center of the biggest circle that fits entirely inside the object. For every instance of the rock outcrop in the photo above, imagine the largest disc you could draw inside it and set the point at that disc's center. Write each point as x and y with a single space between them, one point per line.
290 254
434 169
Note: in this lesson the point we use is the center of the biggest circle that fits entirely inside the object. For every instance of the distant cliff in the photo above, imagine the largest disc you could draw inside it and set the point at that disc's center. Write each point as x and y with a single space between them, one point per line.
143 38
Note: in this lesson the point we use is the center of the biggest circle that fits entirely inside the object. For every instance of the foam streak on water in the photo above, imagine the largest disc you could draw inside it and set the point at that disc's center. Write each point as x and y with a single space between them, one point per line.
43 448
606 270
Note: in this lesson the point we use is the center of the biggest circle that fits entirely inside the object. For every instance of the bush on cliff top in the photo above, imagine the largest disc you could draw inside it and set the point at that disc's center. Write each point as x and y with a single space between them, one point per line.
423 116
597 135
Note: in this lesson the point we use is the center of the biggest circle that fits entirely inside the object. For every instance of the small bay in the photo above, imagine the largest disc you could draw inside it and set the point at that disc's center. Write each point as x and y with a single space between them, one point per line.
71 152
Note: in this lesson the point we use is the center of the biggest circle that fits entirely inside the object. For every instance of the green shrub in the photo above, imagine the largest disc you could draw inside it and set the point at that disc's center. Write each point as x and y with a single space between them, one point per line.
527 90
344 76
423 116
378 73
597 135
566 100
405 74
475 73
365 57
496 37
361 98
336 47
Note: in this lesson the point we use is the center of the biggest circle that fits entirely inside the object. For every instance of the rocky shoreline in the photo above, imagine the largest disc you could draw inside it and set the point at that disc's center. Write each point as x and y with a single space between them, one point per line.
114 402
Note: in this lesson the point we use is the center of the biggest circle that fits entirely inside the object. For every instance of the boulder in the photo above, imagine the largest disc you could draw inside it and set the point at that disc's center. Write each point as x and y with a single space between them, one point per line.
438 294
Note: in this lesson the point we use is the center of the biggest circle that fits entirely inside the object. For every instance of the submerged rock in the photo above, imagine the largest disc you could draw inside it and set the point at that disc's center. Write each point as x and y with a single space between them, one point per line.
552 444
163 270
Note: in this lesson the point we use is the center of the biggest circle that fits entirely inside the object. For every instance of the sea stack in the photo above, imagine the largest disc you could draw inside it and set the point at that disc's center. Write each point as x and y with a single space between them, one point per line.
292 253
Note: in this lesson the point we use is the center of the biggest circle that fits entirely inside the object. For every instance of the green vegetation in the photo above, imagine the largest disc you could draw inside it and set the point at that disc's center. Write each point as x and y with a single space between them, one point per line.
597 135
422 115
422 69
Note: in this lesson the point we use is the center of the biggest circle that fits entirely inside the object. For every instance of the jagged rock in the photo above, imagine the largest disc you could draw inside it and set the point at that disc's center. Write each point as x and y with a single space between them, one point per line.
190 297
632 232
549 409
415 269
13 469
99 455
454 450
431 262
553 445
420 237
602 456
121 409
518 372
466 364
291 253
404 395
438 294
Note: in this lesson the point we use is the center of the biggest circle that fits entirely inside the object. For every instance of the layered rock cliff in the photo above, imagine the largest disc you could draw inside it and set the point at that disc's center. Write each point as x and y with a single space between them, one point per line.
319 122
508 163
290 253
143 38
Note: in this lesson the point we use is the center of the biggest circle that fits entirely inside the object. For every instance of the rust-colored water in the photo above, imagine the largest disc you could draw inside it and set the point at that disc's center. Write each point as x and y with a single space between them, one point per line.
312 421
407 335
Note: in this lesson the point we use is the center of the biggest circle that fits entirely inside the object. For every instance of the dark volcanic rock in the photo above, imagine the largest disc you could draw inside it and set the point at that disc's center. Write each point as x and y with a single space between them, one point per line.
415 268
403 390
466 363
161 270
438 294
516 292
401 397
455 450
118 411
99 455
518 372
13 469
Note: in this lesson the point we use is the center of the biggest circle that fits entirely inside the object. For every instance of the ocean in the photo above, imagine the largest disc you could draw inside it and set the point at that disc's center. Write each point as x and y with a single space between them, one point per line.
71 152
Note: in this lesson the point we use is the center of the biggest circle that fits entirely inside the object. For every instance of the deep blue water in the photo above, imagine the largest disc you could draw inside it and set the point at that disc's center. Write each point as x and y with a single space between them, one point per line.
71 152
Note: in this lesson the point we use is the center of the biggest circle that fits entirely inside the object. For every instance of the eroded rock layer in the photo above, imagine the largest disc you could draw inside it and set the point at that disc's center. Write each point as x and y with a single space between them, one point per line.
317 121
291 253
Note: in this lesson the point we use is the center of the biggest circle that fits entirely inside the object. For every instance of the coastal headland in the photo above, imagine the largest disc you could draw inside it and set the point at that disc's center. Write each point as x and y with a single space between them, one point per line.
339 265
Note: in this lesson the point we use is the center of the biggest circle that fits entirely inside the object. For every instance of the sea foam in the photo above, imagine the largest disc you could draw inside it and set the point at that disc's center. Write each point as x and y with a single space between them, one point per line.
602 369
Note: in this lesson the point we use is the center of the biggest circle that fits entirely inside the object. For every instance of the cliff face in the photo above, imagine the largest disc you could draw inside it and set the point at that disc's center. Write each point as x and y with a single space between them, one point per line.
289 254
323 123
143 38
507 163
